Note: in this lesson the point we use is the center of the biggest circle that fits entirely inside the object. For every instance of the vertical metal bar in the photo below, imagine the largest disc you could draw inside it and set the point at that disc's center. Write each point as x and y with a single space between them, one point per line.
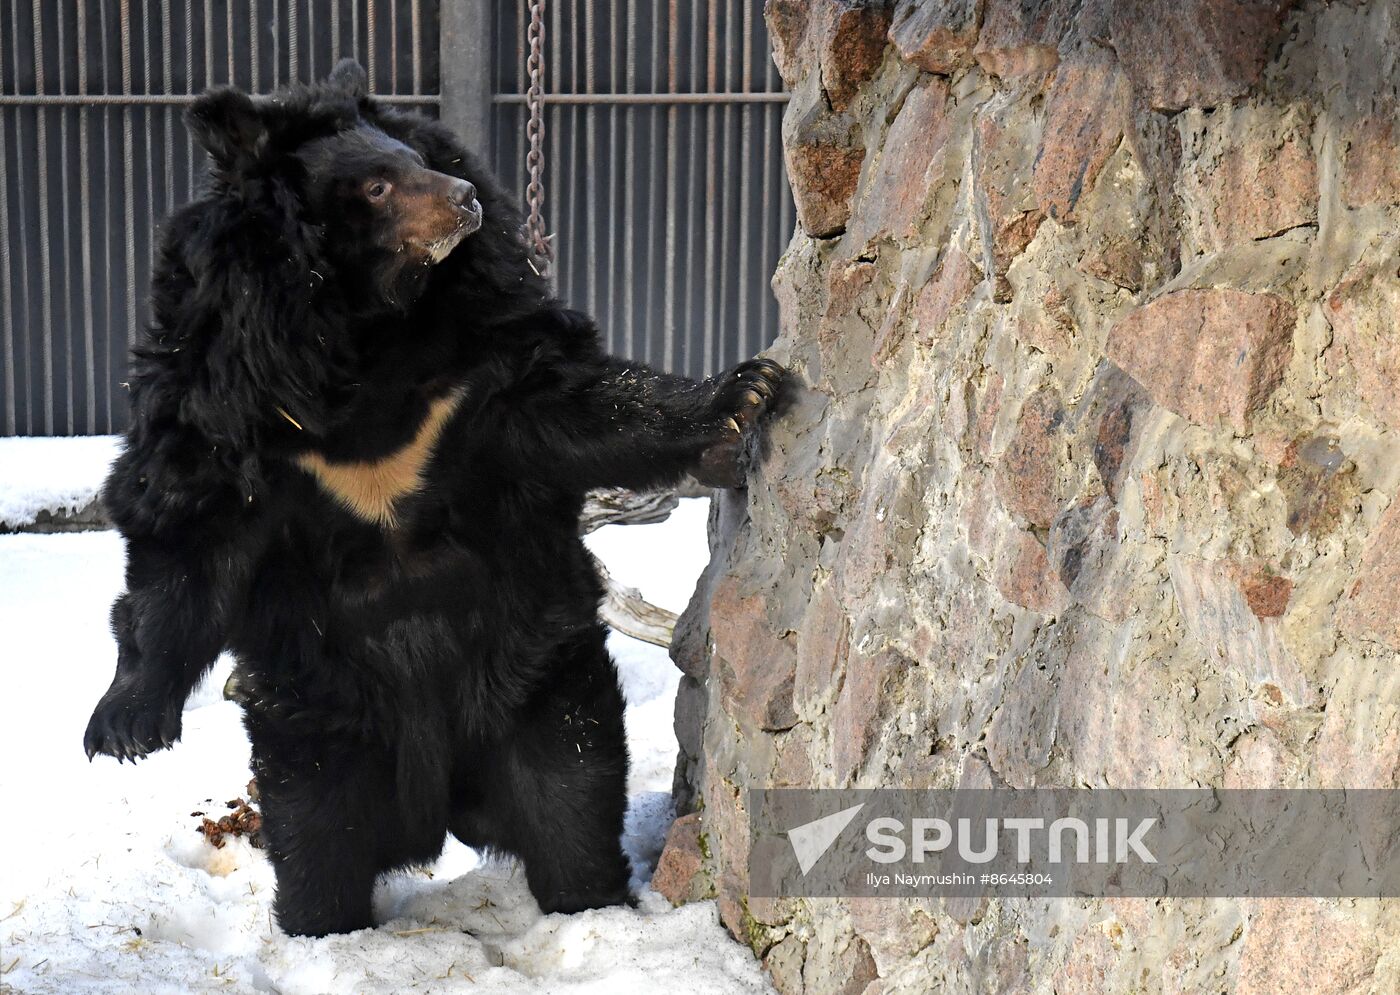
568 200
590 157
189 88
148 115
311 70
335 32
107 309
276 43
355 29
208 43
369 36
166 87
629 206
229 45
25 423
393 46
128 180
554 165
711 187
416 26
746 165
254 80
724 179
695 307
668 325
654 183
522 54
730 225
42 168
69 325
293 40
556 170
85 222
6 285
614 278
766 239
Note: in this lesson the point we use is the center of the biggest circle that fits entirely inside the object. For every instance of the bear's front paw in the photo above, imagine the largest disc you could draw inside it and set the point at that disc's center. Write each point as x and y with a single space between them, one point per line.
742 395
744 392
132 722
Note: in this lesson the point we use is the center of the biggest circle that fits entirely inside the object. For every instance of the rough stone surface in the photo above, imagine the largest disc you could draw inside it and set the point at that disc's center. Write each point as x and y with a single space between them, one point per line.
1371 171
1369 609
1020 39
823 151
950 286
1362 312
1024 576
680 870
1304 945
1028 472
1265 592
913 161
1195 53
936 37
756 674
1207 354
842 39
1004 162
1086 114
1252 175
1094 478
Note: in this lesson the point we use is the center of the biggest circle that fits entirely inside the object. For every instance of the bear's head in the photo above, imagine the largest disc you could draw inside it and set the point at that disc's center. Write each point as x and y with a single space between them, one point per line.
385 215
331 225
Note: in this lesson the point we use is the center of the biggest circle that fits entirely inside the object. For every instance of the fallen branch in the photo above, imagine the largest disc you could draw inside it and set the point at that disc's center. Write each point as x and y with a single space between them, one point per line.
616 506
629 613
624 608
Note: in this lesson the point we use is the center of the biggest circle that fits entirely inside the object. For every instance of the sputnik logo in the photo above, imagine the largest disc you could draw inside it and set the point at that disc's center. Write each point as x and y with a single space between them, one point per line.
812 839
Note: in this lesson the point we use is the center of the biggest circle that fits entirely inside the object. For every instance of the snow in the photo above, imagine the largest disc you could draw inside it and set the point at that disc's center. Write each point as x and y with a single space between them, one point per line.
105 886
51 474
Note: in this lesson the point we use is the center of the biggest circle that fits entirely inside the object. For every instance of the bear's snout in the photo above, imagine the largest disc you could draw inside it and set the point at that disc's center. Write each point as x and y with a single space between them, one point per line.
462 194
437 212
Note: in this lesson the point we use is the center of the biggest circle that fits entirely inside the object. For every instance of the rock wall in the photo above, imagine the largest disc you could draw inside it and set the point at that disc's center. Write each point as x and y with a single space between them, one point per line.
1094 477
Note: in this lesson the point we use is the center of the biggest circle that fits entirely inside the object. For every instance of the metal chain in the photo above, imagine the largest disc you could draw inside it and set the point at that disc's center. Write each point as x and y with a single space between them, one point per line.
540 243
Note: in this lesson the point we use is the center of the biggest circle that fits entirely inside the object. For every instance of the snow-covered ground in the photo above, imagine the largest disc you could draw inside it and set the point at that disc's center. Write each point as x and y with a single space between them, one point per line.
105 885
51 474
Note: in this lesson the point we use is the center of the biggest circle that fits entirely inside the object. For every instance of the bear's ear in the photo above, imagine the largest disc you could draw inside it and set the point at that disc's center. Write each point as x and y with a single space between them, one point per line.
227 124
349 77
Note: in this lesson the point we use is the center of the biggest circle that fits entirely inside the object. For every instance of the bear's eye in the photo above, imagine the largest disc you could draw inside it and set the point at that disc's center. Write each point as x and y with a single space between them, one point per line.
377 189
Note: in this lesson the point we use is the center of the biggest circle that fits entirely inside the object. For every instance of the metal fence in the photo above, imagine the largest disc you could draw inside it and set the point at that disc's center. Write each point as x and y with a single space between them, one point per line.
664 175
664 172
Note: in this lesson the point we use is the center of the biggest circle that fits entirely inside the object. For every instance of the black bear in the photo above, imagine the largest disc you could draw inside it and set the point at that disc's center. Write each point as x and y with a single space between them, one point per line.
361 434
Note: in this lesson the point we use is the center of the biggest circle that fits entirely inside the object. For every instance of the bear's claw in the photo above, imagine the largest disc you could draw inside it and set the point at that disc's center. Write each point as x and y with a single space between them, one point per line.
745 392
130 726
741 396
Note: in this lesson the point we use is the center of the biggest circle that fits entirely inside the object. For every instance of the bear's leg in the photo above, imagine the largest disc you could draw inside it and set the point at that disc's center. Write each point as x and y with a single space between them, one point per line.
321 833
554 791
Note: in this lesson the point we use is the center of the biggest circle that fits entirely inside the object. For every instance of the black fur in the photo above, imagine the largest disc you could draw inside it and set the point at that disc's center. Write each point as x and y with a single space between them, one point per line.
447 673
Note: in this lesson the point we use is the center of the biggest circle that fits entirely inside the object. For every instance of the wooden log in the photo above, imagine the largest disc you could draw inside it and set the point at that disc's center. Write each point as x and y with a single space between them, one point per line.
624 608
618 506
